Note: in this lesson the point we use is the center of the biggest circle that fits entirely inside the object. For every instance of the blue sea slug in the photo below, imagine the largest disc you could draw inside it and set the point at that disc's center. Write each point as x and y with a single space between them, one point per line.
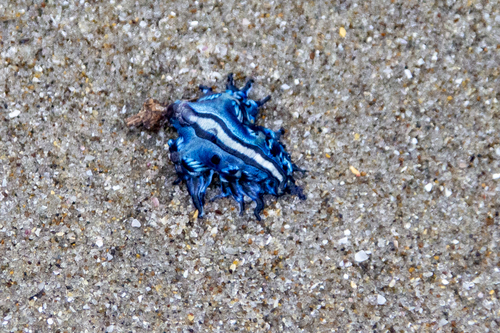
218 135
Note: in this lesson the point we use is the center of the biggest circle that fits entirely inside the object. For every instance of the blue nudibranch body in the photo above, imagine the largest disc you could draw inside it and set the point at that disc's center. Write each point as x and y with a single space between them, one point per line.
218 135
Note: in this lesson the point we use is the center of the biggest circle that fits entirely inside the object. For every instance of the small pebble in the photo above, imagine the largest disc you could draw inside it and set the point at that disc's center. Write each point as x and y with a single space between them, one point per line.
136 223
342 32
360 256
343 241
355 171
14 114
381 300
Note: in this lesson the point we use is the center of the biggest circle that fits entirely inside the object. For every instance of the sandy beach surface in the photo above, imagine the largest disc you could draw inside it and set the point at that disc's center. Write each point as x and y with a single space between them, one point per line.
391 106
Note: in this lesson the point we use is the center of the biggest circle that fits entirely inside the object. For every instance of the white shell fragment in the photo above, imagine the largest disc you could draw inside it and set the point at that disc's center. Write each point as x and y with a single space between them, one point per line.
361 256
14 114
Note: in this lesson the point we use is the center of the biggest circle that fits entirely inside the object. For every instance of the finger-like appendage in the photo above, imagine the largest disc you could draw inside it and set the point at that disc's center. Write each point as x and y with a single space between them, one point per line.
296 168
242 207
197 186
253 191
225 191
230 83
237 195
205 89
193 185
296 190
247 87
279 133
259 207
263 101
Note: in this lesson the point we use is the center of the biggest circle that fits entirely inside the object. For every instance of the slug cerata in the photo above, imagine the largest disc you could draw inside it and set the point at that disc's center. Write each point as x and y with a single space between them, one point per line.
218 135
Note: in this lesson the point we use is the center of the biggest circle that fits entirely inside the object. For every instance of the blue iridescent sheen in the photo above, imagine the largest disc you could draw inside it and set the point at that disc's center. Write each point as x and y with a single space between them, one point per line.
218 135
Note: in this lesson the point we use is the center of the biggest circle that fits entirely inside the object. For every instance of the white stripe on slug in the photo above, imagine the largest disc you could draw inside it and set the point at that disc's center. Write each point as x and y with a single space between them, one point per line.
209 125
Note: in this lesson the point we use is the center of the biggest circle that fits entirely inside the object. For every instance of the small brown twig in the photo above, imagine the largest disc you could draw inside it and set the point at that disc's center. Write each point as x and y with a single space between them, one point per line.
152 115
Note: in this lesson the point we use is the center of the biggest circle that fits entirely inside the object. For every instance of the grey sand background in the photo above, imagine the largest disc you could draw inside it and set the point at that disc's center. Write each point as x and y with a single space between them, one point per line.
93 236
